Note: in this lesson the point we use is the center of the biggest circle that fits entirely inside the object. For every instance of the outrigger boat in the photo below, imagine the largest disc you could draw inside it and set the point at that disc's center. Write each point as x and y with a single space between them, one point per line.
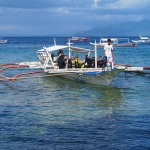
3 41
116 42
79 39
142 40
82 75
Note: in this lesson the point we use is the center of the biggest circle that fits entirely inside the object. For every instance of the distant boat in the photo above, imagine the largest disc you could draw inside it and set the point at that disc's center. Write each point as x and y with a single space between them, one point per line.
3 41
142 40
115 42
79 39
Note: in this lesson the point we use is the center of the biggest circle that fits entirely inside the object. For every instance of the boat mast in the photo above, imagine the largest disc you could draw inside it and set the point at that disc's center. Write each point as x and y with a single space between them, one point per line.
69 47
54 41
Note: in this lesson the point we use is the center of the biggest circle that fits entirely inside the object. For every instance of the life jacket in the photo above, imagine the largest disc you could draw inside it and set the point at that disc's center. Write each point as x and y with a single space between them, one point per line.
78 63
82 65
73 63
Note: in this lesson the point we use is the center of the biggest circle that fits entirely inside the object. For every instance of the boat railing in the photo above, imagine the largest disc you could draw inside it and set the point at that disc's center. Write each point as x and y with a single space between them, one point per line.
45 58
76 70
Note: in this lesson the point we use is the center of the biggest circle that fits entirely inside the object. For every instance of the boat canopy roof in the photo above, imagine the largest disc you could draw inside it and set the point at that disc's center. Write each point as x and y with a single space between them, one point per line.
57 47
77 49
52 48
144 38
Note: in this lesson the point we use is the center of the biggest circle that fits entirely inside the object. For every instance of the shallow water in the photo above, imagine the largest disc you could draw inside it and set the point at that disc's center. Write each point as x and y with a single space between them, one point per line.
54 113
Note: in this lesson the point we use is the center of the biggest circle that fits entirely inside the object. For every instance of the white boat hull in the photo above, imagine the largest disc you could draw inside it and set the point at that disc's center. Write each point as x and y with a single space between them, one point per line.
97 78
142 40
3 41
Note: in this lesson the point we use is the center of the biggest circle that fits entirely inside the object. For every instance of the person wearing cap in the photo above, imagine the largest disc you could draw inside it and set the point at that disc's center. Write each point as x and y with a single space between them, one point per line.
108 52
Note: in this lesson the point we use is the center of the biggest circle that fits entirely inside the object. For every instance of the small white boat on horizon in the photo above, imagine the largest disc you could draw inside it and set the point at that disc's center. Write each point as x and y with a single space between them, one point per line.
3 41
79 39
142 40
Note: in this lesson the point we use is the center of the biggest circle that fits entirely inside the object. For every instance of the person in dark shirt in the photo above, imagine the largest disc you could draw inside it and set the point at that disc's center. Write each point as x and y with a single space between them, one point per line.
71 62
88 61
100 63
62 61
93 62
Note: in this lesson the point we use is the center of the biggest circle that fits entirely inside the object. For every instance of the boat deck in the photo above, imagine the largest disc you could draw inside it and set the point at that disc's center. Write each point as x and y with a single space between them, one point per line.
126 67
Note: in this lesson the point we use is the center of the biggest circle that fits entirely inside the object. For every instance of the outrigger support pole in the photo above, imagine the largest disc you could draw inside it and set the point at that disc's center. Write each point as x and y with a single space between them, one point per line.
95 55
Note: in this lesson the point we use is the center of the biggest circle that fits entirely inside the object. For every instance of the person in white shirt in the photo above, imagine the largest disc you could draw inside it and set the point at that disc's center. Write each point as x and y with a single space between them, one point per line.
108 52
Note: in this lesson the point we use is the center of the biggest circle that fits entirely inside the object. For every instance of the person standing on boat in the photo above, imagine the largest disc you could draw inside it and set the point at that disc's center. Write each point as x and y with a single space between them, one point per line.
108 52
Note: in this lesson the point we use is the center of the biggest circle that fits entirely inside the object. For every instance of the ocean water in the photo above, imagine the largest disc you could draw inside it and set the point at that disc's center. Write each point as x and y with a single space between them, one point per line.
54 113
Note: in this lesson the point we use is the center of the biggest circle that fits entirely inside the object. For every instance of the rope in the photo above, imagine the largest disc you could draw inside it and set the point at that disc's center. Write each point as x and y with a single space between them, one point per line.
1 65
28 77
14 66
3 77
18 75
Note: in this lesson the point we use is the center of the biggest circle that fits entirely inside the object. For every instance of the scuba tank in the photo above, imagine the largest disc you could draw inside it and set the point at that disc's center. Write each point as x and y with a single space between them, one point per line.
108 66
73 64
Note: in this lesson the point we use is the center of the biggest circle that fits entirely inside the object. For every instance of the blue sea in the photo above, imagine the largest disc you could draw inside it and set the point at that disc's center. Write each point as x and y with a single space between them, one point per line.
53 113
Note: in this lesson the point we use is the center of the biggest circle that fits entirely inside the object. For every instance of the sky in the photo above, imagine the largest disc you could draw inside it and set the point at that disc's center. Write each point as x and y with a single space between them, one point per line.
66 17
